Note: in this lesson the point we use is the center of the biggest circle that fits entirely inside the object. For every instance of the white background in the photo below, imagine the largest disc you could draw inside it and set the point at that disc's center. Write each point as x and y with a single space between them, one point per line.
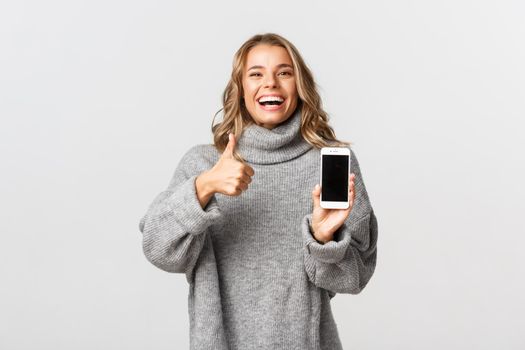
100 99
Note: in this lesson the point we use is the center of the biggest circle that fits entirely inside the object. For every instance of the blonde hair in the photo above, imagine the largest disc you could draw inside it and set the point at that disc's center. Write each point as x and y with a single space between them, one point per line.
314 120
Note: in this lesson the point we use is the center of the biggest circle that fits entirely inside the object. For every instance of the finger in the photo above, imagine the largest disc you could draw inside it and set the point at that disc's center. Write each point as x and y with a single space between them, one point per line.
351 183
316 196
243 186
351 188
351 191
228 151
246 179
249 170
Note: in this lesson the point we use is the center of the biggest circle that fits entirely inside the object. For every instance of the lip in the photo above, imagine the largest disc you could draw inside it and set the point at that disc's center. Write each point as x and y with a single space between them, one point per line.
269 95
271 108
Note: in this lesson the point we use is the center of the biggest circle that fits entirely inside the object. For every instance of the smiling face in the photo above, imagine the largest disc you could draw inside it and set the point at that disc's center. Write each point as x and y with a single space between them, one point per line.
268 81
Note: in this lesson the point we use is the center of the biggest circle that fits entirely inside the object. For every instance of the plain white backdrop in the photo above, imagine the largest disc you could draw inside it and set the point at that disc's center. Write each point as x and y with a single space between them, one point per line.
100 99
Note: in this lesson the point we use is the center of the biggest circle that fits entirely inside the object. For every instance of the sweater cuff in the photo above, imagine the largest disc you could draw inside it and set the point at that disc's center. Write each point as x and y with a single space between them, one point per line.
189 213
330 252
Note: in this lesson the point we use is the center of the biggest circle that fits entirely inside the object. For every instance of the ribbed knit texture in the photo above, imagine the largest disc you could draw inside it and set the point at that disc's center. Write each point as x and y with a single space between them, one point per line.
257 277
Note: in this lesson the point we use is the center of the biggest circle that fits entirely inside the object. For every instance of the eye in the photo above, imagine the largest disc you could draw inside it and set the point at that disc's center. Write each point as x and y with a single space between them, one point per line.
255 74
289 73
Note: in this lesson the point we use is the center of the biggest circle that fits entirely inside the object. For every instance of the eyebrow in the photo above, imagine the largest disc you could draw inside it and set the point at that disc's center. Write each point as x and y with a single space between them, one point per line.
278 66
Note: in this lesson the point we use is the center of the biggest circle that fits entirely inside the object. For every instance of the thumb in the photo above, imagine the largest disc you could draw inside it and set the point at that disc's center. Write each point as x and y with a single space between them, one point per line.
228 151
316 196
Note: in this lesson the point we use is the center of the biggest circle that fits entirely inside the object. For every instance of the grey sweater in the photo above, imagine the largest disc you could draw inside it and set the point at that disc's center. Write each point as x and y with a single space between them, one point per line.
257 277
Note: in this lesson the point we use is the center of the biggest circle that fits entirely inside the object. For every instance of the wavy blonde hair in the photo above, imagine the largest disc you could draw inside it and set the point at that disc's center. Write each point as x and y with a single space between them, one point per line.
314 120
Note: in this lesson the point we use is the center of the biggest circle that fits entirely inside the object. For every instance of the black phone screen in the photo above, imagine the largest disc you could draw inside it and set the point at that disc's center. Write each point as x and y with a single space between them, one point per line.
335 178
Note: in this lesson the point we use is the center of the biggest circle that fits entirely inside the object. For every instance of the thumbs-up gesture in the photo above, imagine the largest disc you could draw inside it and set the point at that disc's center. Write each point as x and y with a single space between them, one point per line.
326 221
230 176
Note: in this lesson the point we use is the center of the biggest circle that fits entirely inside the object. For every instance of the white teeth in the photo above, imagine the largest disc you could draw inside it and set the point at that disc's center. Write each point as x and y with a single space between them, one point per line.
271 98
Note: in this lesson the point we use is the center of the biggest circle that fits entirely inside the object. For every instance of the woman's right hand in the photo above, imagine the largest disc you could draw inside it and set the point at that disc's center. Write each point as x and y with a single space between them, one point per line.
228 176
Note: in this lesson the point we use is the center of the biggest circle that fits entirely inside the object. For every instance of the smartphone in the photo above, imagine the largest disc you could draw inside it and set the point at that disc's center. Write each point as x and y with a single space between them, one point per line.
335 171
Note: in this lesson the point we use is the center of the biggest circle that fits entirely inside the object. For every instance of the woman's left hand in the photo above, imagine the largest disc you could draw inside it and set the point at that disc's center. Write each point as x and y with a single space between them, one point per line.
326 221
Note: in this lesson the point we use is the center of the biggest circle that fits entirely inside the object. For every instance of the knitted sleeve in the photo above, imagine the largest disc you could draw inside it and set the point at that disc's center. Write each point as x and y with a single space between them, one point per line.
175 225
345 264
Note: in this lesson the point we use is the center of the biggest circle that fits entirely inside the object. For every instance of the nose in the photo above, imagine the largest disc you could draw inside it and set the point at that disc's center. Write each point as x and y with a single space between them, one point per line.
270 81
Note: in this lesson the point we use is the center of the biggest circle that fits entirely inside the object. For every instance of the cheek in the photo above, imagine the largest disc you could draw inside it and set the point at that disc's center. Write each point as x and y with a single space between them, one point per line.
291 89
249 89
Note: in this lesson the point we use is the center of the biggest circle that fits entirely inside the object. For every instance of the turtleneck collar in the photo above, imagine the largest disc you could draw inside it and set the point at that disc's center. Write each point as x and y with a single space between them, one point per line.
259 145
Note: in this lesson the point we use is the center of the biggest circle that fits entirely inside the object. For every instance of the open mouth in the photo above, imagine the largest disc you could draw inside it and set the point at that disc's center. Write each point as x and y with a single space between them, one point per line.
270 100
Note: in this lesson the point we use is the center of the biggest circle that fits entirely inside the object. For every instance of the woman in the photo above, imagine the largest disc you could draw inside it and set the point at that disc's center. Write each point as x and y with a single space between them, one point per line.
261 257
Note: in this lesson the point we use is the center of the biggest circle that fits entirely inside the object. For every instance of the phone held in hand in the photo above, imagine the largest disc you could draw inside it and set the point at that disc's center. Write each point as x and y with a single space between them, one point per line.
335 171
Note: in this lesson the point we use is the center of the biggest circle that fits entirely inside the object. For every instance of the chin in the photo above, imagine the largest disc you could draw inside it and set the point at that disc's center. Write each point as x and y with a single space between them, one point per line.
273 120
275 116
